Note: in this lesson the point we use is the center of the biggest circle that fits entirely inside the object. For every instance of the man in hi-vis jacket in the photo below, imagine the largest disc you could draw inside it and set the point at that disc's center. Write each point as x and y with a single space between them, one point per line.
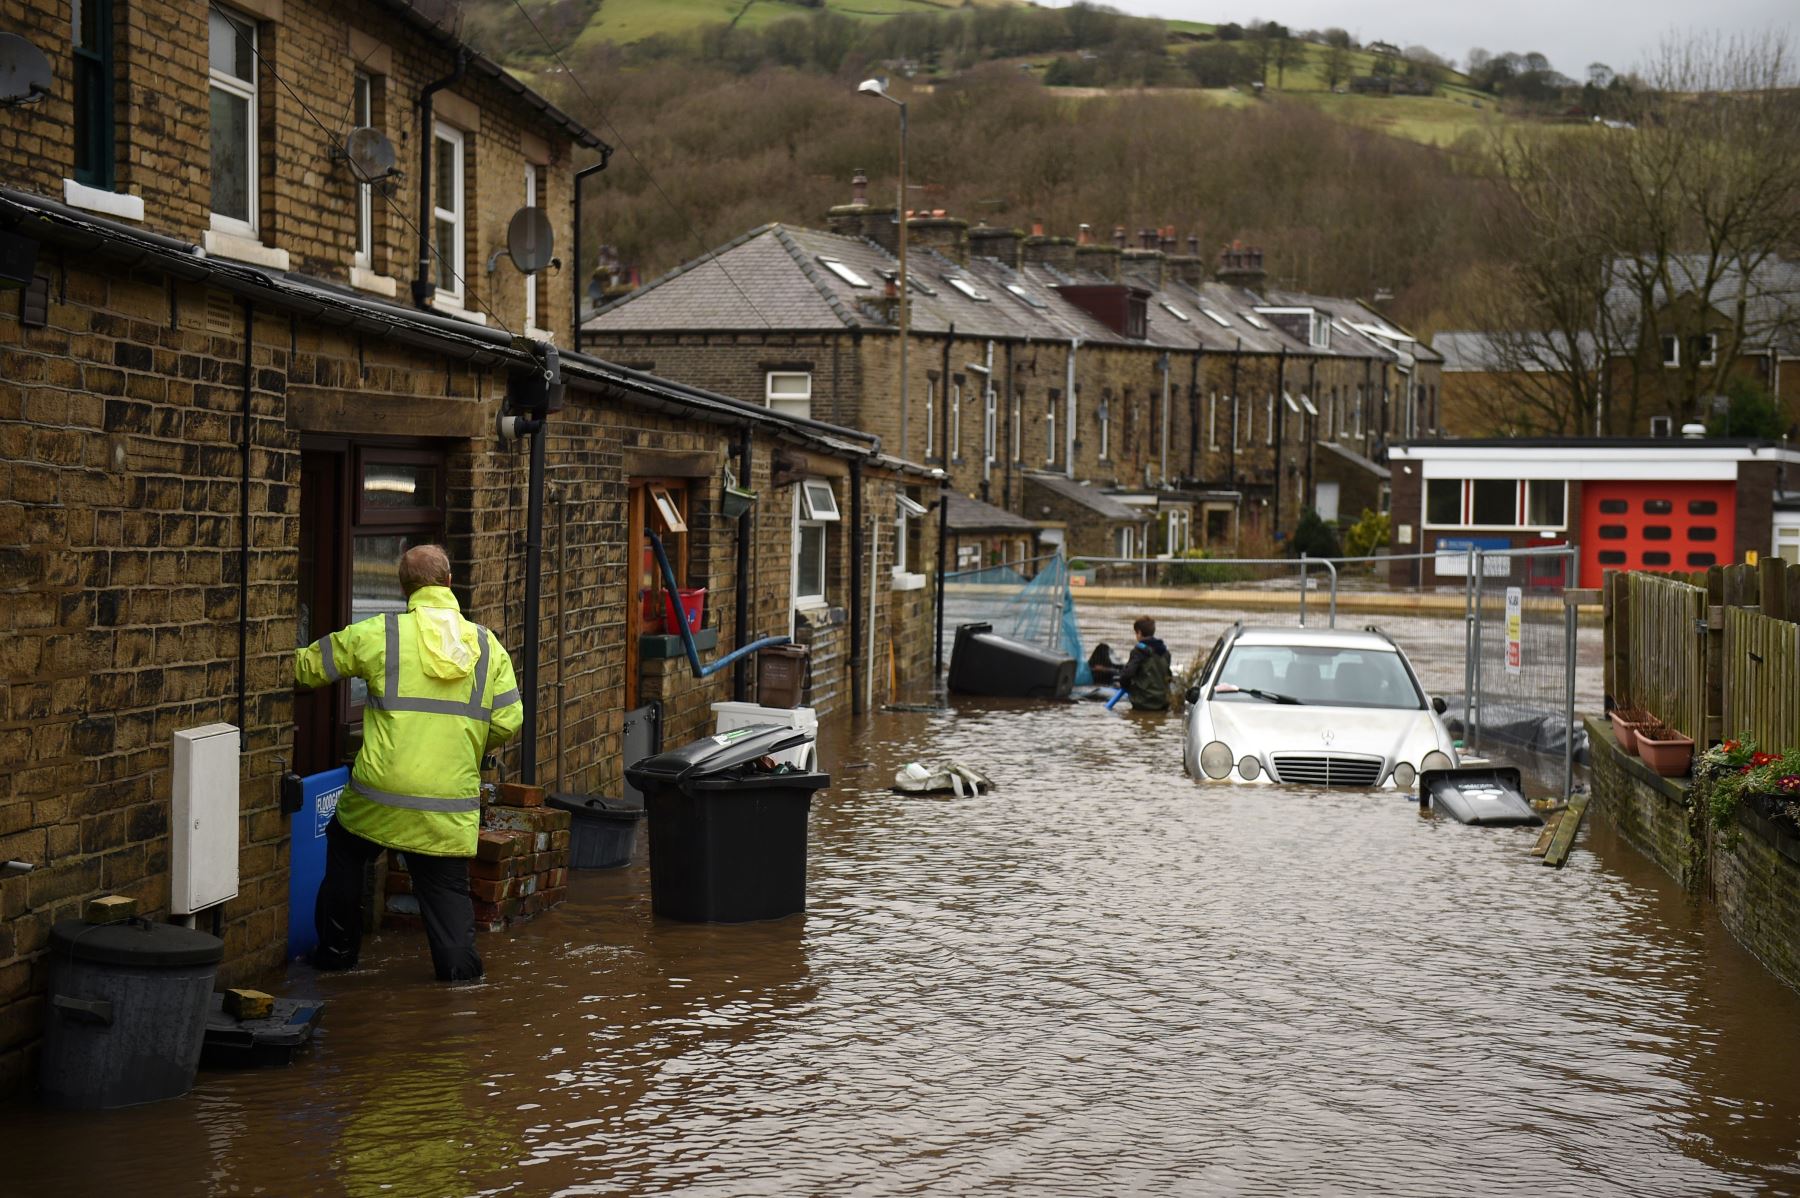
441 696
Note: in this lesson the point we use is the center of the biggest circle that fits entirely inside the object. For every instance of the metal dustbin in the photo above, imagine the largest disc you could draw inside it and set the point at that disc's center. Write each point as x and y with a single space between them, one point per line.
603 831
127 1010
727 836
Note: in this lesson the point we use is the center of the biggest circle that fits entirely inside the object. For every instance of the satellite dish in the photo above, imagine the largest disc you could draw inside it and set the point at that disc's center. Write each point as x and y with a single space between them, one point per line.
370 155
529 240
24 71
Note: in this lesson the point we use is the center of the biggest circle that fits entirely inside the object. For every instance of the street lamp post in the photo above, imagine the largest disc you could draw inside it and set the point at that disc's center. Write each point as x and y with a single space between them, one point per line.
878 88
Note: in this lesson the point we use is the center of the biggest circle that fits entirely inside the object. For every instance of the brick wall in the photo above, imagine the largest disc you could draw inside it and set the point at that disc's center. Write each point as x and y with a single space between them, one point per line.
1750 872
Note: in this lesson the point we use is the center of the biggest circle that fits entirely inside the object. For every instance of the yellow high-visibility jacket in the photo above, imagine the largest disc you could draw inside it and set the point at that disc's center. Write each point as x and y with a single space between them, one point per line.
441 694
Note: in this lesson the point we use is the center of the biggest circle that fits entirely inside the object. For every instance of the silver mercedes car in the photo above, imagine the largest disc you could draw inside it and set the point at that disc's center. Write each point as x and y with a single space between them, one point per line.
1319 707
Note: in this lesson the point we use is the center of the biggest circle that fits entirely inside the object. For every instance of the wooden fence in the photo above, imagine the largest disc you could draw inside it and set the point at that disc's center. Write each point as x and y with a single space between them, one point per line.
1714 654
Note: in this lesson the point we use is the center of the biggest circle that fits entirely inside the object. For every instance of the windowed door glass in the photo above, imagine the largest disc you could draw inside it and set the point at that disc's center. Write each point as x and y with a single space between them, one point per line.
230 154
811 583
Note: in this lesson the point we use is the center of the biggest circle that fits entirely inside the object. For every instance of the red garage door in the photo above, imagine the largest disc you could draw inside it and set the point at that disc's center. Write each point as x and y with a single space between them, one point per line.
1655 526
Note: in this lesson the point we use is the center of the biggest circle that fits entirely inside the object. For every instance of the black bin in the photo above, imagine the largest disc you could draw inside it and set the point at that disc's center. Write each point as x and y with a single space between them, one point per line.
727 839
127 1013
603 831
983 662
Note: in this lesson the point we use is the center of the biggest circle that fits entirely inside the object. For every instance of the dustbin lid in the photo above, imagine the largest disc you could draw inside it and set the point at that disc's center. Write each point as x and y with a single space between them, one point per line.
716 754
138 943
596 805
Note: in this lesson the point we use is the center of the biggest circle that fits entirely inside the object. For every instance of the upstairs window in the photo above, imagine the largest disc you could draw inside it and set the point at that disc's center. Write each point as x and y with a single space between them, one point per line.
790 392
93 45
1671 350
1050 429
1104 412
1704 347
930 419
232 63
449 223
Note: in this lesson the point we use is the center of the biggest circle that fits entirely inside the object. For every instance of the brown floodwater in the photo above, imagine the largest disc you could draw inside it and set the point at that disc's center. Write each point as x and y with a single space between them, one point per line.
1100 979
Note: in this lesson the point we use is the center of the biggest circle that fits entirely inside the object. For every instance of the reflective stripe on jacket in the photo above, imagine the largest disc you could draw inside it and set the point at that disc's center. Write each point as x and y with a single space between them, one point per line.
441 694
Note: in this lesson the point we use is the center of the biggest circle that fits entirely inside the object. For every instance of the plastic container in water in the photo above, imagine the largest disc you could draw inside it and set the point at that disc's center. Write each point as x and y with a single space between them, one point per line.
727 841
781 675
982 662
603 832
249 1043
127 1010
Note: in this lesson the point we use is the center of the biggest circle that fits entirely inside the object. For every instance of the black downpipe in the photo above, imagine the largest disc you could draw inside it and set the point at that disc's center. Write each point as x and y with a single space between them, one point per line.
1012 451
1280 430
243 670
740 673
943 550
1194 415
1236 355
575 310
423 288
857 548
534 558
944 403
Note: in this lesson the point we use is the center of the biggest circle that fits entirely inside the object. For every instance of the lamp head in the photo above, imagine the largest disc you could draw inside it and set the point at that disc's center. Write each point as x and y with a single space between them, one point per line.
873 87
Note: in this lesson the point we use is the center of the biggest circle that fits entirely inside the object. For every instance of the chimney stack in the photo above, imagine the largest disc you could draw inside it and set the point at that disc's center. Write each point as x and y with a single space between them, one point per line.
1190 267
1241 265
1042 250
1001 244
858 219
1103 260
935 229
1145 262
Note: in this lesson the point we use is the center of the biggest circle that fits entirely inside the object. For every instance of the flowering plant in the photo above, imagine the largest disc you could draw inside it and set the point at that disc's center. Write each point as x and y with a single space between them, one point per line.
1732 769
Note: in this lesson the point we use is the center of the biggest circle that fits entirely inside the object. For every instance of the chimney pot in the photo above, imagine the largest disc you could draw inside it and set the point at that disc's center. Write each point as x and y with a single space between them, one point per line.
1037 228
1194 245
859 188
1119 236
1084 235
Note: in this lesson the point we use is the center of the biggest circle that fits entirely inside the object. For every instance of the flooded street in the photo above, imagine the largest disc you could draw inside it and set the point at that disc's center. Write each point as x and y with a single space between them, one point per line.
1101 979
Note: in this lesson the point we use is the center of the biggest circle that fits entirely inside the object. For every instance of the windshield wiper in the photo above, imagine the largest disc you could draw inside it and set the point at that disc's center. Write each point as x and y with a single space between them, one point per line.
1269 696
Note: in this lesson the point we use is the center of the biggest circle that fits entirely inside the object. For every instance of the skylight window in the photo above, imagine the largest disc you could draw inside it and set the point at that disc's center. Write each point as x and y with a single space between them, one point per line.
1216 318
844 272
1025 295
1256 322
966 287
1177 313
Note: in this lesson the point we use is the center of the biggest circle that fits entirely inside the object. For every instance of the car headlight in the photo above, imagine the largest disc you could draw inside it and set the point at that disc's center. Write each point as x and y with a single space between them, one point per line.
1215 760
1248 767
1436 760
1405 775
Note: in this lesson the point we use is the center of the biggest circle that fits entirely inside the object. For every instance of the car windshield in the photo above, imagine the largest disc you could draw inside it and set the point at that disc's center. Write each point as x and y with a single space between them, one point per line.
1316 674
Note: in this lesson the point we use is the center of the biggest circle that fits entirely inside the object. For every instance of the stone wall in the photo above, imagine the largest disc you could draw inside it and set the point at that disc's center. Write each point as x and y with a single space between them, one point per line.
1750 872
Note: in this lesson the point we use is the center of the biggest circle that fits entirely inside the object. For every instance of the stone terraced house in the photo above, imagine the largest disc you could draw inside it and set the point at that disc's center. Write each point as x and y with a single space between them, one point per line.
236 381
1218 406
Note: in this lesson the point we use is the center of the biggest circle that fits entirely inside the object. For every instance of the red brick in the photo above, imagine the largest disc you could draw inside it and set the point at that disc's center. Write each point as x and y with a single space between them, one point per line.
496 845
517 794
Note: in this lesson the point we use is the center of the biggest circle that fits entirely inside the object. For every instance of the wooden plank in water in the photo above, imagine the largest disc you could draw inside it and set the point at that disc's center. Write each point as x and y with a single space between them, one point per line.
1546 833
1566 827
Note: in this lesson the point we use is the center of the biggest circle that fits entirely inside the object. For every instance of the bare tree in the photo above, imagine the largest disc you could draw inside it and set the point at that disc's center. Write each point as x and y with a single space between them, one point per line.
1335 65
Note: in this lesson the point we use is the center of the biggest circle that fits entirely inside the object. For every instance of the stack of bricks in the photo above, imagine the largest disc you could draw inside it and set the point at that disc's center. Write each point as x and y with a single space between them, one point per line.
521 864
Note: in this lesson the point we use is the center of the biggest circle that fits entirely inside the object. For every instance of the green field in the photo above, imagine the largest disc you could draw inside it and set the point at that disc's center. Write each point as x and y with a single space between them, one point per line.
634 20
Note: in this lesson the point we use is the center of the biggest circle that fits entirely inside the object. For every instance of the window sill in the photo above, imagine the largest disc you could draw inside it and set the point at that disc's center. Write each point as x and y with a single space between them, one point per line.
811 603
445 306
537 334
364 279
903 581
238 248
95 199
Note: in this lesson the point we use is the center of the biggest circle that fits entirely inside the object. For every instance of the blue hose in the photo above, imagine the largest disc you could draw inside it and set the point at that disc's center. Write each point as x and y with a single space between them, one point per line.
1114 701
687 634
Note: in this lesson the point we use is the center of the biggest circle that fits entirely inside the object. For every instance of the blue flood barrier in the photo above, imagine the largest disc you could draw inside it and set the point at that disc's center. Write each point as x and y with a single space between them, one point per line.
306 862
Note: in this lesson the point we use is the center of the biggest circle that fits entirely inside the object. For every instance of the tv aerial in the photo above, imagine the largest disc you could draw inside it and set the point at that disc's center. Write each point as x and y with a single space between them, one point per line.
24 72
371 157
530 243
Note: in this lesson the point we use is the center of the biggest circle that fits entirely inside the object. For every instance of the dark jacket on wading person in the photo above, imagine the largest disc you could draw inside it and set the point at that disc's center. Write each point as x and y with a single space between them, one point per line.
441 696
1145 674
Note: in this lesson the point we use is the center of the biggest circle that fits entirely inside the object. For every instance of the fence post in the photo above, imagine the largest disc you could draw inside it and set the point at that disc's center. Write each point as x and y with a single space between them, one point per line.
1468 643
1332 616
1303 590
1475 715
1571 633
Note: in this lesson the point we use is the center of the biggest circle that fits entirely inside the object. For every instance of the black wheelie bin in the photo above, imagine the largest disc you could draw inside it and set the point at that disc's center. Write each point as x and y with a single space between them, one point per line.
728 826
982 662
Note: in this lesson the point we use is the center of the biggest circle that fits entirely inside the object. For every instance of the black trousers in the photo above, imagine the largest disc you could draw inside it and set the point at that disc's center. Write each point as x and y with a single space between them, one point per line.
441 885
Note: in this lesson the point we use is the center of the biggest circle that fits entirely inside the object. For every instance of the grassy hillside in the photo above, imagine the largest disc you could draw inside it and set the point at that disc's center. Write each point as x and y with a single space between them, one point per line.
625 21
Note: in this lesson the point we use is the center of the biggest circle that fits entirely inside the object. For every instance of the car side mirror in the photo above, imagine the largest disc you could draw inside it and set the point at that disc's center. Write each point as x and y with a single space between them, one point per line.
1438 705
1193 694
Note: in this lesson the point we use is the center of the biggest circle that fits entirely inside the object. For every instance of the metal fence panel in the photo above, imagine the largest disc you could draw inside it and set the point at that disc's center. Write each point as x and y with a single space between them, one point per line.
1523 643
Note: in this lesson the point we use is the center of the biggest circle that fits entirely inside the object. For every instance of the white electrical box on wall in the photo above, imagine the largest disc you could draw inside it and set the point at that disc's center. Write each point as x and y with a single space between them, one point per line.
203 818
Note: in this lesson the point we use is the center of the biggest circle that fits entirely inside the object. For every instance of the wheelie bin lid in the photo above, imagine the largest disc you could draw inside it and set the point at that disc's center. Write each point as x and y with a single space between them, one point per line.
716 754
139 943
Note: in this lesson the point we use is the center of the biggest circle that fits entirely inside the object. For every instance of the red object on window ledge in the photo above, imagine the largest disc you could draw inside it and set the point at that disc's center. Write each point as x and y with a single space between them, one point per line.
693 606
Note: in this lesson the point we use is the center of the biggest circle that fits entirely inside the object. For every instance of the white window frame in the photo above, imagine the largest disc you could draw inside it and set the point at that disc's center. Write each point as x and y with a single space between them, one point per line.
990 423
453 258
362 99
1217 319
845 272
1269 432
1521 504
1671 349
817 501
967 288
1122 540
785 402
804 529
902 579
955 446
245 90
1234 423
1104 412
1018 430
1212 422
532 173
1177 313
930 421
1712 349
1050 431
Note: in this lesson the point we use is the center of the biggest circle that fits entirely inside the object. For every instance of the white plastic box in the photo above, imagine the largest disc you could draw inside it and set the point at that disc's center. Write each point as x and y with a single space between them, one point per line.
742 715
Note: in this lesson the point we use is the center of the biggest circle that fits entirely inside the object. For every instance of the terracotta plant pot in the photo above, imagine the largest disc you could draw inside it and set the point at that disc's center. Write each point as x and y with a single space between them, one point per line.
1666 751
1626 721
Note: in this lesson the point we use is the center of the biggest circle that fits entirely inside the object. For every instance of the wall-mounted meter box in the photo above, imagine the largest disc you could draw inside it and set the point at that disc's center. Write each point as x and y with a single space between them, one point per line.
203 818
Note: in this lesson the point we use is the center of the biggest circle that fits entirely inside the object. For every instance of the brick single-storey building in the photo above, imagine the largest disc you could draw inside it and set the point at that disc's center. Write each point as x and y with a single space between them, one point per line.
1629 504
